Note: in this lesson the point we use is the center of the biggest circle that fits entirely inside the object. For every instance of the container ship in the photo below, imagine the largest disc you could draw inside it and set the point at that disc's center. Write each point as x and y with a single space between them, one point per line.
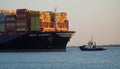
25 30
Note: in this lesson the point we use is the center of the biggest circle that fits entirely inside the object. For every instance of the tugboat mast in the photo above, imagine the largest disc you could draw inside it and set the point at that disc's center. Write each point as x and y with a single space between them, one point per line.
92 38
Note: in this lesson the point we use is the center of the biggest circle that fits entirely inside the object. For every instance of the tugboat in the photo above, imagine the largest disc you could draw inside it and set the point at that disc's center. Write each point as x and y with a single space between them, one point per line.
91 46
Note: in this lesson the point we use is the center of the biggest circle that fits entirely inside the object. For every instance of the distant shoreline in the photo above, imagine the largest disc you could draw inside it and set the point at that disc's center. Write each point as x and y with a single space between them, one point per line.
101 46
109 45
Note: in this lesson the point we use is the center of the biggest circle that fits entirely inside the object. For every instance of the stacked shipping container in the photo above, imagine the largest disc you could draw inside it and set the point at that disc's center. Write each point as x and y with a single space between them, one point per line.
61 17
8 12
62 22
45 16
10 23
46 23
24 20
34 20
2 22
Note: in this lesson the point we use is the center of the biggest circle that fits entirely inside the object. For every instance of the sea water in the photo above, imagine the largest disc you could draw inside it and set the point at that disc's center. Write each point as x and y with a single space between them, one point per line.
74 58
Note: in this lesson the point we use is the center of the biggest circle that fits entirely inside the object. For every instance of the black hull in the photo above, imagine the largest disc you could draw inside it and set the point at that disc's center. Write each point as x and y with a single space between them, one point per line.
33 50
91 49
35 41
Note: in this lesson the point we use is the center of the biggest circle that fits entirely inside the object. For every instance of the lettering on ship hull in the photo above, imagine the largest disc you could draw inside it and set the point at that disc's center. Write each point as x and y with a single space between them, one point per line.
33 35
65 34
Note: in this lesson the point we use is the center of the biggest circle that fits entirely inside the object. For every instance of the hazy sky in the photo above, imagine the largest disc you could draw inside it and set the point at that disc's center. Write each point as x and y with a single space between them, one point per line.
100 18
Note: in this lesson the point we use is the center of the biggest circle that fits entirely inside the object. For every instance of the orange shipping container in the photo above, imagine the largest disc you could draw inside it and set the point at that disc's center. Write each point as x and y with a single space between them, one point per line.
48 30
45 25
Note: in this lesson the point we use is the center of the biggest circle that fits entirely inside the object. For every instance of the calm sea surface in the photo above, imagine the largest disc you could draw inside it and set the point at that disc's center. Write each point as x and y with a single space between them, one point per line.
72 59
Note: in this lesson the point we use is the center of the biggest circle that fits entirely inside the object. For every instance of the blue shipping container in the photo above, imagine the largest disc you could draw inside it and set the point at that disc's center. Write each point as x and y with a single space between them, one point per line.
2 26
2 17
10 21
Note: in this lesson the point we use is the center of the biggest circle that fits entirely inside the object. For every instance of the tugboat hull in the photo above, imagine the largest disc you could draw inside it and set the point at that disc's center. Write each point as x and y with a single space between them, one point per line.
82 48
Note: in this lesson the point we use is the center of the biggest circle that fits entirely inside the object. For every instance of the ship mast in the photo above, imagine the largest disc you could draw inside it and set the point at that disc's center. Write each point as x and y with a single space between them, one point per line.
55 22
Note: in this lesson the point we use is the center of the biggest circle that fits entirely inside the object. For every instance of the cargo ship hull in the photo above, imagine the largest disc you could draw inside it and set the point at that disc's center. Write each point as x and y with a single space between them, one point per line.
35 41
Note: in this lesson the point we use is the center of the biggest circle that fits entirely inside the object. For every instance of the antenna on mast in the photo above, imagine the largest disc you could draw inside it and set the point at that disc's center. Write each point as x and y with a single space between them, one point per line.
55 9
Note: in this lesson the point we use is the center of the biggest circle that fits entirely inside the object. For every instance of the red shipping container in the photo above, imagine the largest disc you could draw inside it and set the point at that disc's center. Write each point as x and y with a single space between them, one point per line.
22 15
22 18
12 29
22 11
22 24
22 21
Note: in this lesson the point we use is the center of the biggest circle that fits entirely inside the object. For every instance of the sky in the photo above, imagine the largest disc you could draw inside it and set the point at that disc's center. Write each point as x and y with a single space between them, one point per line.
99 18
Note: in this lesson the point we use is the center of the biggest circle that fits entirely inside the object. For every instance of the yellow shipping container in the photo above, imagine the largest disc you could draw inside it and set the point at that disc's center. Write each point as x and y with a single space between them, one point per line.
8 19
42 20
10 24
